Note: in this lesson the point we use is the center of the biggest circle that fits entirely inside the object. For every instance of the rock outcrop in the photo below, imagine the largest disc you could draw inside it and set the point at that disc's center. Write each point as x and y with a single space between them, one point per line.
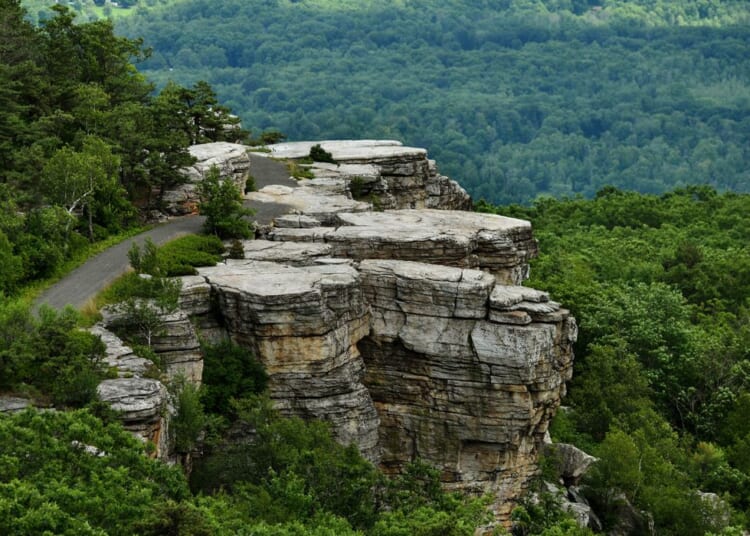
408 329
230 158
143 402
383 172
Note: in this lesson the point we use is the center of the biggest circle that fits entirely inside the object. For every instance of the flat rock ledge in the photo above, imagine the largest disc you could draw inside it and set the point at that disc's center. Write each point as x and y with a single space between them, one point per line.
502 246
406 359
383 173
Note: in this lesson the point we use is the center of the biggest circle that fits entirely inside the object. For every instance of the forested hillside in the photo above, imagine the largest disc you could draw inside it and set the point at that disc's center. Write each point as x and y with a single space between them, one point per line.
84 140
513 98
660 286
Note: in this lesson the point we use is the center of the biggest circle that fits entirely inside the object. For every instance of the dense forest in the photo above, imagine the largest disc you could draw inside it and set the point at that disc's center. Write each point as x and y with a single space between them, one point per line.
513 98
660 286
84 140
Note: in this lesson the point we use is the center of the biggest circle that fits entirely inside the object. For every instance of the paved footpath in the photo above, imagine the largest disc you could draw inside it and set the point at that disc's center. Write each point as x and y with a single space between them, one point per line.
86 281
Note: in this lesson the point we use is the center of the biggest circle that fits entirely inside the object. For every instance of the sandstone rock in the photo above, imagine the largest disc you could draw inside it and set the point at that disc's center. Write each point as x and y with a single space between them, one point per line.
499 245
175 341
303 323
308 201
233 164
177 346
119 355
142 404
472 396
292 253
195 296
387 173
570 462
14 404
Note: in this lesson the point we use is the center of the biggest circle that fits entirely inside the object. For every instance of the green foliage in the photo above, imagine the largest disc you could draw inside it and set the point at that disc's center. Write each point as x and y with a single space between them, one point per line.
236 250
230 372
49 354
84 139
291 469
68 473
144 261
514 99
292 475
660 387
299 171
190 420
221 203
318 154
183 255
544 516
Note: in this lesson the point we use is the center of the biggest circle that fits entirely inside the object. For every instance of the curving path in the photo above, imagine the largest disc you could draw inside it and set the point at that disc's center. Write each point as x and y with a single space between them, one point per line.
86 281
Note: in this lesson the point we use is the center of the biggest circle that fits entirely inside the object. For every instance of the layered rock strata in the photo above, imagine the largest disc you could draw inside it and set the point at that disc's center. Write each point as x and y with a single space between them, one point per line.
304 323
383 172
406 330
502 246
471 393
143 403
233 164
175 341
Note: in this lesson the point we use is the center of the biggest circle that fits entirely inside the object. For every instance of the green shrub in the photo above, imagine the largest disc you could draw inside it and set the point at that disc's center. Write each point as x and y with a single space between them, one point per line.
50 354
190 419
229 371
318 154
181 256
236 250
221 203
299 172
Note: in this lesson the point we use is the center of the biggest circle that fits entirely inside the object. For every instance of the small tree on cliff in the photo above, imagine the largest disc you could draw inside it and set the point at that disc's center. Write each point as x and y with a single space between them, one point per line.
221 203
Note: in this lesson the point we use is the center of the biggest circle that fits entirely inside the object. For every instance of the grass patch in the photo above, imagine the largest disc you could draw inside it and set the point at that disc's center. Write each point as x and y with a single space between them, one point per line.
299 172
182 256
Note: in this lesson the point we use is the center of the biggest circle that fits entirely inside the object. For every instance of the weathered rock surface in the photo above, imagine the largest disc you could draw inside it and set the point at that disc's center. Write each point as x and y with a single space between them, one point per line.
311 202
571 463
120 356
14 404
502 246
177 346
175 341
142 403
304 323
233 164
384 172
406 359
472 395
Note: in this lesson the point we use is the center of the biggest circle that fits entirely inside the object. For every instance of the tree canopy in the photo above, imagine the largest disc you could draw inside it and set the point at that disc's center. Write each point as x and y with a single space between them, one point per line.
513 98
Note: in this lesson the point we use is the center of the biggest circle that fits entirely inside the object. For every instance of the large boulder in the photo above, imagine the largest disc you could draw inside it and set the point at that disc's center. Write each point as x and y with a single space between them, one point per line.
233 164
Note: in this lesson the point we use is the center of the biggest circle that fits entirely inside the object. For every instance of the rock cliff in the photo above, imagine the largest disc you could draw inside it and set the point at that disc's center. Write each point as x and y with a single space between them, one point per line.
407 329
383 171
